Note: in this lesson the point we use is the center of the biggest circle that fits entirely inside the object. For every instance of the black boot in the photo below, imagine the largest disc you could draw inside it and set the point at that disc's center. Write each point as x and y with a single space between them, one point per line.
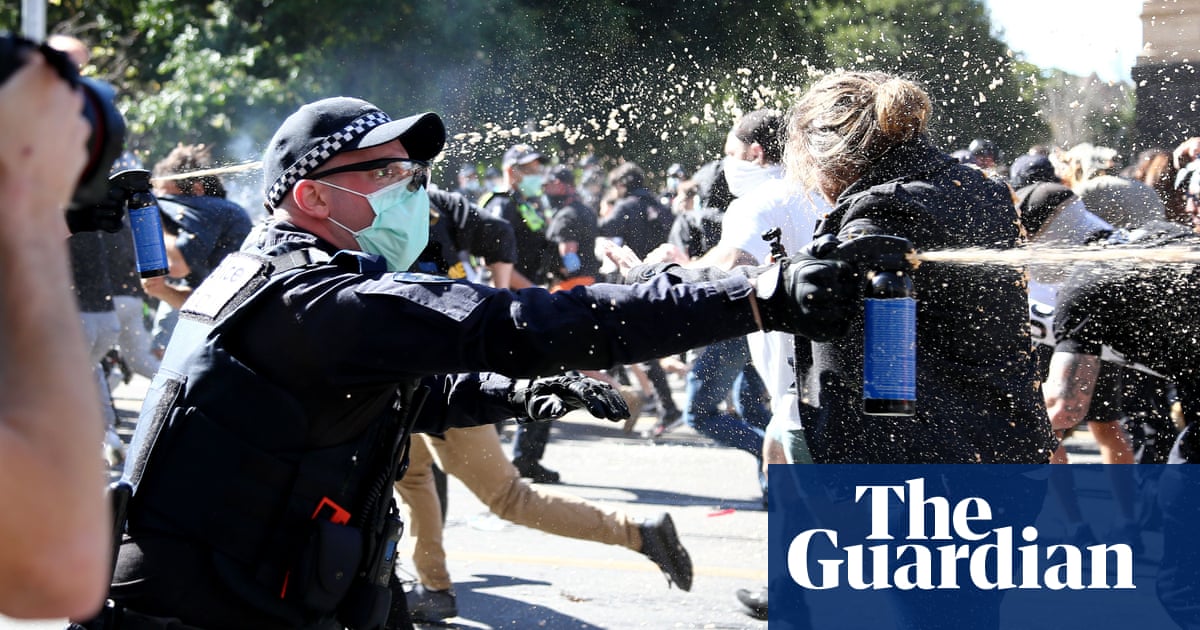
661 544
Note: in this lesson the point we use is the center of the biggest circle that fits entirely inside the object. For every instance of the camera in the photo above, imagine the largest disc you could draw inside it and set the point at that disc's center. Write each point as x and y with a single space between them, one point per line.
104 144
107 137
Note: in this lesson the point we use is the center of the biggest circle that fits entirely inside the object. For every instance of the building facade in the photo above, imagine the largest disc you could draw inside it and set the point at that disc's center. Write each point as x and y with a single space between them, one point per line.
1167 74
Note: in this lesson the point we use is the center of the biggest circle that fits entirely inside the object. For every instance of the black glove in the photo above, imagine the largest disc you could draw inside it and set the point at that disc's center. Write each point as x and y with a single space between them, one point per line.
550 398
106 215
810 293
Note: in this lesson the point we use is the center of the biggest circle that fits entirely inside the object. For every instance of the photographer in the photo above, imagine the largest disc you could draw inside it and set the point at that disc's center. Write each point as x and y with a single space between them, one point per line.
55 556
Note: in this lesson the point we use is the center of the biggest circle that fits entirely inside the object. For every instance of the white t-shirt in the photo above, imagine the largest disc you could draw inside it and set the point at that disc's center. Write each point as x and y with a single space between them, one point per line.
774 202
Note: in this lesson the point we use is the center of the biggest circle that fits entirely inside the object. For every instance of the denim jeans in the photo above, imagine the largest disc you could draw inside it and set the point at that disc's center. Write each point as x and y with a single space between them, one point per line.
722 367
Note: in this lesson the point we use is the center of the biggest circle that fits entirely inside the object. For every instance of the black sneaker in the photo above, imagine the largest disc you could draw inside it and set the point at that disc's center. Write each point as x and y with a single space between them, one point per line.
398 618
670 421
661 544
426 605
536 472
755 601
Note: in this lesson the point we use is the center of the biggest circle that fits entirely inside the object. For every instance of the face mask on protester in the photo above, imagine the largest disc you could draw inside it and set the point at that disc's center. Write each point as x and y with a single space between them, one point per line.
531 185
400 230
742 176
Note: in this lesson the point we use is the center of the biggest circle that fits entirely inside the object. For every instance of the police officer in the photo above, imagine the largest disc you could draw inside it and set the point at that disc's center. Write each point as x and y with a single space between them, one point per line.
262 461
458 227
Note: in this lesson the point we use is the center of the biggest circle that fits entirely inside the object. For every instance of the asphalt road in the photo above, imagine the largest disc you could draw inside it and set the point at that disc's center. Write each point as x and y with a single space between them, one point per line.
508 576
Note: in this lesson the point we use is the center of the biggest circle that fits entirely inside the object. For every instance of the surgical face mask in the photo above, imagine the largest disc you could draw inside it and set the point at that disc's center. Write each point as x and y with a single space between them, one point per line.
531 185
743 176
400 230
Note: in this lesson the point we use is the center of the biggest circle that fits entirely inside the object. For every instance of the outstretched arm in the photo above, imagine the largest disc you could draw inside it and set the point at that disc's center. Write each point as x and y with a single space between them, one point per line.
1069 387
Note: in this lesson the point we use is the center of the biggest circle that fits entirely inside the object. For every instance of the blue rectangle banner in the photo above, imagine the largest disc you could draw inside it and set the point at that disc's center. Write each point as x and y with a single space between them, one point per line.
990 547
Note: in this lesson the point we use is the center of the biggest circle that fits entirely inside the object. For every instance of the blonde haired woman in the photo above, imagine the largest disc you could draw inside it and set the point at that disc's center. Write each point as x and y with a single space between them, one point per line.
862 139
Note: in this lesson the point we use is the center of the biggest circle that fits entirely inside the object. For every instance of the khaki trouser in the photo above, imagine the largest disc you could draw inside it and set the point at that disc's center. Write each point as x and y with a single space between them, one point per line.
474 456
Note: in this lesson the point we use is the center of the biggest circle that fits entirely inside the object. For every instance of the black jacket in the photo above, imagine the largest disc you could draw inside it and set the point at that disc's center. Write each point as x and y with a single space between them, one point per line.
640 220
529 228
457 225
978 398
251 425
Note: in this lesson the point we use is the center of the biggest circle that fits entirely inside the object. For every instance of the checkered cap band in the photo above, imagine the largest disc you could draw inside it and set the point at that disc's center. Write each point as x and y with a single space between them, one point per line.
329 146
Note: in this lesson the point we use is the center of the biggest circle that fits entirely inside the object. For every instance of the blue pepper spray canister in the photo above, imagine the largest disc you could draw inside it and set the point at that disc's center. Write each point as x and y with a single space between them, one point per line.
890 345
889 323
144 221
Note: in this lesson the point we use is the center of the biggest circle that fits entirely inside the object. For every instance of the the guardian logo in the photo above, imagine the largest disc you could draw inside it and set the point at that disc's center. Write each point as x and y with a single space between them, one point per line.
974 554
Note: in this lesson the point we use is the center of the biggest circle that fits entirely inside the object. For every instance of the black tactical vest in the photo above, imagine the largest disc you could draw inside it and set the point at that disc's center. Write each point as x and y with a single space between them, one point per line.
216 457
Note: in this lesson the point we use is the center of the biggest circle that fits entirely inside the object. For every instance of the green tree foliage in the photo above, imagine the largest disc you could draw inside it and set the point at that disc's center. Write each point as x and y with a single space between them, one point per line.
655 81
212 74
946 46
186 70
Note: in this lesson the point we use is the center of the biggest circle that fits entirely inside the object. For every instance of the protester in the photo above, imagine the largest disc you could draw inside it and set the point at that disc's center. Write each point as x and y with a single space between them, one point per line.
1053 215
572 235
751 168
1155 168
474 456
1142 312
283 381
200 228
699 207
766 201
54 524
636 217
572 231
1135 310
861 139
1124 203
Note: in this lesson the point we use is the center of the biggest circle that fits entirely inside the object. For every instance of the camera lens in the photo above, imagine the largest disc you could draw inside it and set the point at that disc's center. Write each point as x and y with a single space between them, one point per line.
104 144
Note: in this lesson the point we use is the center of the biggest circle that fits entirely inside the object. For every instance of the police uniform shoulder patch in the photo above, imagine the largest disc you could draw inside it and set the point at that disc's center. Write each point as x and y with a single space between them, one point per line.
234 273
420 278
